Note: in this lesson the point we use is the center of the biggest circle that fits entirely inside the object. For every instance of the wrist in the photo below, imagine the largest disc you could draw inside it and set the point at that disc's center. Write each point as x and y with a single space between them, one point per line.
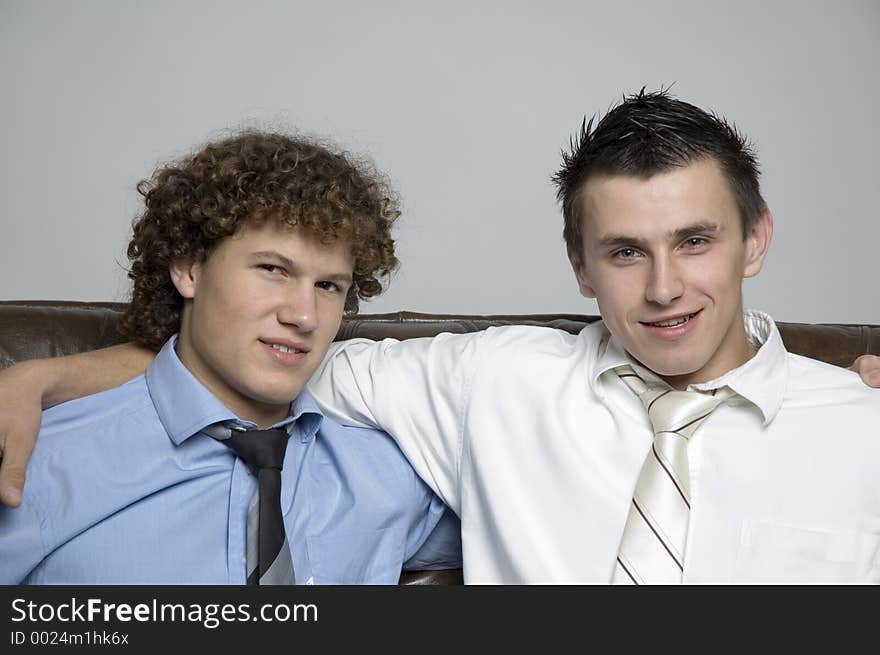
37 378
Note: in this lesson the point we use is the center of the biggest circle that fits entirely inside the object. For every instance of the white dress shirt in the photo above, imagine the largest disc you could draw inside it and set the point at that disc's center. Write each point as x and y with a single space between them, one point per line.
533 440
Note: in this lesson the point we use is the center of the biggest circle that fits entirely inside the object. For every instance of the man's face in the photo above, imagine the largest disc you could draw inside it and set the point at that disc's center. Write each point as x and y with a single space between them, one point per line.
259 315
665 257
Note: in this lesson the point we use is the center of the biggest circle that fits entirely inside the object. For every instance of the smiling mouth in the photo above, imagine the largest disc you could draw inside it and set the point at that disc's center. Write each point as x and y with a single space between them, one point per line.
285 349
673 322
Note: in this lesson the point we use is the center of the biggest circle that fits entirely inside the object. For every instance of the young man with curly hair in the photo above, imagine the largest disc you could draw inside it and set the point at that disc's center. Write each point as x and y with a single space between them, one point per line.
243 262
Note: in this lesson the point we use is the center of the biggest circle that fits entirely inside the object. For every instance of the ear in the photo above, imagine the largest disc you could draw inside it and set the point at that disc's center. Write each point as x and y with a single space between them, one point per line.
185 276
580 273
757 243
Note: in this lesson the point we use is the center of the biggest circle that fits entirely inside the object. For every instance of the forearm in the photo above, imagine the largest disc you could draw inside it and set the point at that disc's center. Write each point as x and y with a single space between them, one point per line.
28 386
64 378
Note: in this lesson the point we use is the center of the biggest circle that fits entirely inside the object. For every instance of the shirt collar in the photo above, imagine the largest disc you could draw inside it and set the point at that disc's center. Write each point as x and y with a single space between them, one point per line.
307 415
761 380
185 406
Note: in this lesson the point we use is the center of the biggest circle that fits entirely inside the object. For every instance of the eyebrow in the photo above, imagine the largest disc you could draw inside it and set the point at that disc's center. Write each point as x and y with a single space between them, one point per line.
288 263
682 233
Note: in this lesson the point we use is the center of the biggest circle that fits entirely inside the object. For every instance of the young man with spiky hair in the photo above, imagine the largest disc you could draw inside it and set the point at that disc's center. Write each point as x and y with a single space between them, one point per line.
244 259
674 441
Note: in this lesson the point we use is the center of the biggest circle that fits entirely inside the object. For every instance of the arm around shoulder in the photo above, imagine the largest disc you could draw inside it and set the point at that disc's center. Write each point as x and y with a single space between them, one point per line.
29 387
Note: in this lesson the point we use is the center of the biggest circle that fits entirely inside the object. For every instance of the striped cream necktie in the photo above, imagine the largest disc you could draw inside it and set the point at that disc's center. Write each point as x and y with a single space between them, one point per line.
652 548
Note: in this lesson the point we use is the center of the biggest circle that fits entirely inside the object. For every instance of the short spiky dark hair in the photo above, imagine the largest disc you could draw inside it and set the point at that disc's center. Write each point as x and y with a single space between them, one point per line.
647 134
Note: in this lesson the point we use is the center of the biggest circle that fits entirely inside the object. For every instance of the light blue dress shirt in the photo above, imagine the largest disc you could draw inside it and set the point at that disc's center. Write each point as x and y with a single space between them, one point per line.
124 488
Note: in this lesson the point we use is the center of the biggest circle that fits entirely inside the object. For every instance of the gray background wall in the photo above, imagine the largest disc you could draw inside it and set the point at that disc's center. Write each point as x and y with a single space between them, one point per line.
465 104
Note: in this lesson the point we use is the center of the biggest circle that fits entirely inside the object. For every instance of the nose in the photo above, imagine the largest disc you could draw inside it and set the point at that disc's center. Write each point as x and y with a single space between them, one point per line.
300 307
665 284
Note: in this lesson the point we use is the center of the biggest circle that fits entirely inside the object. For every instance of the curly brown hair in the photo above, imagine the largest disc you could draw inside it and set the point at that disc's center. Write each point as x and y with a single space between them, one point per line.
247 179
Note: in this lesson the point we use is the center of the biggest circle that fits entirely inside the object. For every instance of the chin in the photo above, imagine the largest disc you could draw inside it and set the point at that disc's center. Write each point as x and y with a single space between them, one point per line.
282 396
674 368
273 388
275 394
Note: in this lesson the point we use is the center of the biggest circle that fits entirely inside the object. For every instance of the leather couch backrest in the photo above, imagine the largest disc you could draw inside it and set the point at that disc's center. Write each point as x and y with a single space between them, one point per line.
31 329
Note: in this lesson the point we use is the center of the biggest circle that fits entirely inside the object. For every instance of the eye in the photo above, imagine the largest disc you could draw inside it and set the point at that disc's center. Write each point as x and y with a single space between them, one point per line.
271 268
332 287
694 243
626 253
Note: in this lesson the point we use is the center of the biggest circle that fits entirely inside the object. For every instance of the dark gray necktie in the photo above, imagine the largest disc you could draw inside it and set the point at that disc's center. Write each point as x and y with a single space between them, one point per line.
268 553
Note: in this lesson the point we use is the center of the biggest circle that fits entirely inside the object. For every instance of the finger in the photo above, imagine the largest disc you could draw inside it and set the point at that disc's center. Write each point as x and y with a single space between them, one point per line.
868 366
858 362
12 468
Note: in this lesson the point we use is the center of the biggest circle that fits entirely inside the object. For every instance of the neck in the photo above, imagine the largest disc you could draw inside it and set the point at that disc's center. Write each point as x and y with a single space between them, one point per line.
263 417
681 382
245 407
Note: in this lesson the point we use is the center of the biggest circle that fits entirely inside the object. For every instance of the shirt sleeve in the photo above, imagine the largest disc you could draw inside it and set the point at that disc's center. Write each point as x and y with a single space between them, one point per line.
21 542
442 548
416 390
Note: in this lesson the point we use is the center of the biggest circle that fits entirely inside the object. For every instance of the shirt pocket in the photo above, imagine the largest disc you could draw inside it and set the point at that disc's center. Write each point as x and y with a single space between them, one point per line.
777 553
361 557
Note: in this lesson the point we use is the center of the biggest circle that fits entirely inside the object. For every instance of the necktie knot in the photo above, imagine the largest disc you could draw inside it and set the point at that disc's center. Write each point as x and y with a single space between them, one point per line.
260 449
671 410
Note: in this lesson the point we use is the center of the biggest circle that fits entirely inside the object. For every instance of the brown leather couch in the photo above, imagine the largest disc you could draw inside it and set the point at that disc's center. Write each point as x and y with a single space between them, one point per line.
31 329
